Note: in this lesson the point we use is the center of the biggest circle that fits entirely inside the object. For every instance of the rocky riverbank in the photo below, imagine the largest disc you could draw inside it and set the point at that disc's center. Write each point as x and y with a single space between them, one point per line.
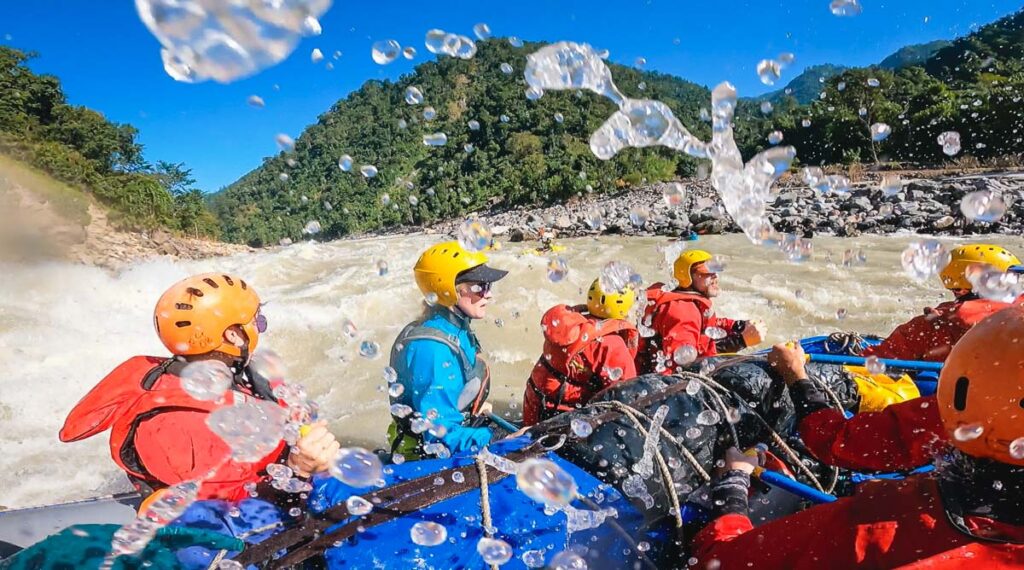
926 204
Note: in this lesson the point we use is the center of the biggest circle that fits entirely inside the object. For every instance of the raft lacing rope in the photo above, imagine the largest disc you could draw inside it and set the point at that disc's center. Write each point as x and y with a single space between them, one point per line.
485 500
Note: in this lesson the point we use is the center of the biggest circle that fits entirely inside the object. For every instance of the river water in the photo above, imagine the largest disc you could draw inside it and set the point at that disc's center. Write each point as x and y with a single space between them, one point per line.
63 327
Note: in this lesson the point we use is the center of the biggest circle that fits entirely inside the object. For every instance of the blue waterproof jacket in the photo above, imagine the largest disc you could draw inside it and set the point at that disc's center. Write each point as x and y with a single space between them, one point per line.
438 365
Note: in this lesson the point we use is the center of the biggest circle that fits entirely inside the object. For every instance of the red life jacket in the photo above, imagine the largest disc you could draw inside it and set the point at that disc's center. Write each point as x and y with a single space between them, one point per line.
562 380
657 301
138 389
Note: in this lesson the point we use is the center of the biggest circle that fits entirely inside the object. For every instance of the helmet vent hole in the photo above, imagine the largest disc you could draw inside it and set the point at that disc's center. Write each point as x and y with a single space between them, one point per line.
211 283
228 280
183 306
183 324
243 284
1021 403
456 254
194 292
960 393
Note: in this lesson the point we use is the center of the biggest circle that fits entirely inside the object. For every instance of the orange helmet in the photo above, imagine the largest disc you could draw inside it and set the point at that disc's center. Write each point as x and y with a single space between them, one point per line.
981 389
193 314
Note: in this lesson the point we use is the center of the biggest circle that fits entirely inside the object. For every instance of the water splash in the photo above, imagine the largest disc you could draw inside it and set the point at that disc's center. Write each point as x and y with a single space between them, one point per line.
745 189
227 41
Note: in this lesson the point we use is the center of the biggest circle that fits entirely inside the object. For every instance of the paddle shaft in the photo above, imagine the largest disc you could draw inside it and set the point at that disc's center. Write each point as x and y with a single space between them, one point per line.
503 423
793 486
889 363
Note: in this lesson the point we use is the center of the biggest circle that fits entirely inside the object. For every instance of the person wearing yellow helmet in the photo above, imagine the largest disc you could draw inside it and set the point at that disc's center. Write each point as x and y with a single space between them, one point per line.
931 336
586 349
443 379
966 513
683 320
158 428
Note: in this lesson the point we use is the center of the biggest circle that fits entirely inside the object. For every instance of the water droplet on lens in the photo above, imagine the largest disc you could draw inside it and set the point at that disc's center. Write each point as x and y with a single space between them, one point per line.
674 194
1017 448
385 51
357 467
545 482
482 31
494 551
775 137
506 68
892 184
473 125
409 52
983 206
880 132
345 163
708 418
558 268
874 365
968 432
256 101
316 56
515 41
368 170
872 82
581 428
474 235
358 506
312 227
685 355
924 260
369 349
567 560
767 107
426 533
768 71
206 379
950 141
413 96
285 142
846 8
435 139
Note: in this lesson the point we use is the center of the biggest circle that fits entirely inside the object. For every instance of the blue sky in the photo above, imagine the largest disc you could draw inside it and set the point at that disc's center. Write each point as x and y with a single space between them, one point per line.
108 61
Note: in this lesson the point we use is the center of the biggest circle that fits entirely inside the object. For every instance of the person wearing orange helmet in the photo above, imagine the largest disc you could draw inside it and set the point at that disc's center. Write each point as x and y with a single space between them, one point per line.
966 513
159 433
683 320
931 336
442 379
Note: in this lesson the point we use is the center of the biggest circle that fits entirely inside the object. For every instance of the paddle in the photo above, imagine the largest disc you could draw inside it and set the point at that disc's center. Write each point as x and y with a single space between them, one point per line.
889 363
503 423
799 489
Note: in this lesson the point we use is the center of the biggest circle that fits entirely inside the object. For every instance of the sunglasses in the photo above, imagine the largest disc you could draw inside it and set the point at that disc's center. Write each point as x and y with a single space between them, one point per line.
481 288
261 323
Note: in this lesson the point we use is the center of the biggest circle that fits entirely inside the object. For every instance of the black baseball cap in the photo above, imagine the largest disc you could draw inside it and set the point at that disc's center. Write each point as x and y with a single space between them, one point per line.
481 274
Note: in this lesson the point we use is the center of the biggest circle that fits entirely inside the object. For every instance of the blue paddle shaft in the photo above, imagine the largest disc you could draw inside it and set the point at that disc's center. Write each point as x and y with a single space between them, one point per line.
503 423
860 361
794 486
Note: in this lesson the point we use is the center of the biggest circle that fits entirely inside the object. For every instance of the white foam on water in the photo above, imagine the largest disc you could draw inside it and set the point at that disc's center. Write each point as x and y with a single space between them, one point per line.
64 327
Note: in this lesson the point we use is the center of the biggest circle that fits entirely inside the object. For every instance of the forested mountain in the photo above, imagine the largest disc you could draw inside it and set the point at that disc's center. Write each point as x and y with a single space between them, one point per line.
80 147
536 151
915 54
522 152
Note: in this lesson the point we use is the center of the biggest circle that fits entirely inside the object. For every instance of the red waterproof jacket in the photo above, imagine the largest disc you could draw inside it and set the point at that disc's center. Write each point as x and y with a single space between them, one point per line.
887 524
903 436
582 356
679 318
932 335
158 432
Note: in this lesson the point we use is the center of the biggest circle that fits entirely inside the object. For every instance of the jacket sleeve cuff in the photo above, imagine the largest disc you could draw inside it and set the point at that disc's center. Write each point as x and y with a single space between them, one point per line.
807 398
729 494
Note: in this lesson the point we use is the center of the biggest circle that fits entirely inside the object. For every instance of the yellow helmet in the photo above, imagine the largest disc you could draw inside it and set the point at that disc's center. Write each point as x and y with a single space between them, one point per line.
439 267
685 262
954 276
611 305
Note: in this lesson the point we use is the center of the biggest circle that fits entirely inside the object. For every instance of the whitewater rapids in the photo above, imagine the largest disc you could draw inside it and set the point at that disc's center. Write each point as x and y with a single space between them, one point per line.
63 327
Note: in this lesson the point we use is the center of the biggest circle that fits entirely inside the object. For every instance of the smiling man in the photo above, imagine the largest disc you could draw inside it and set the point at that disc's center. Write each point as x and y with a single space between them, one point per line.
683 320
